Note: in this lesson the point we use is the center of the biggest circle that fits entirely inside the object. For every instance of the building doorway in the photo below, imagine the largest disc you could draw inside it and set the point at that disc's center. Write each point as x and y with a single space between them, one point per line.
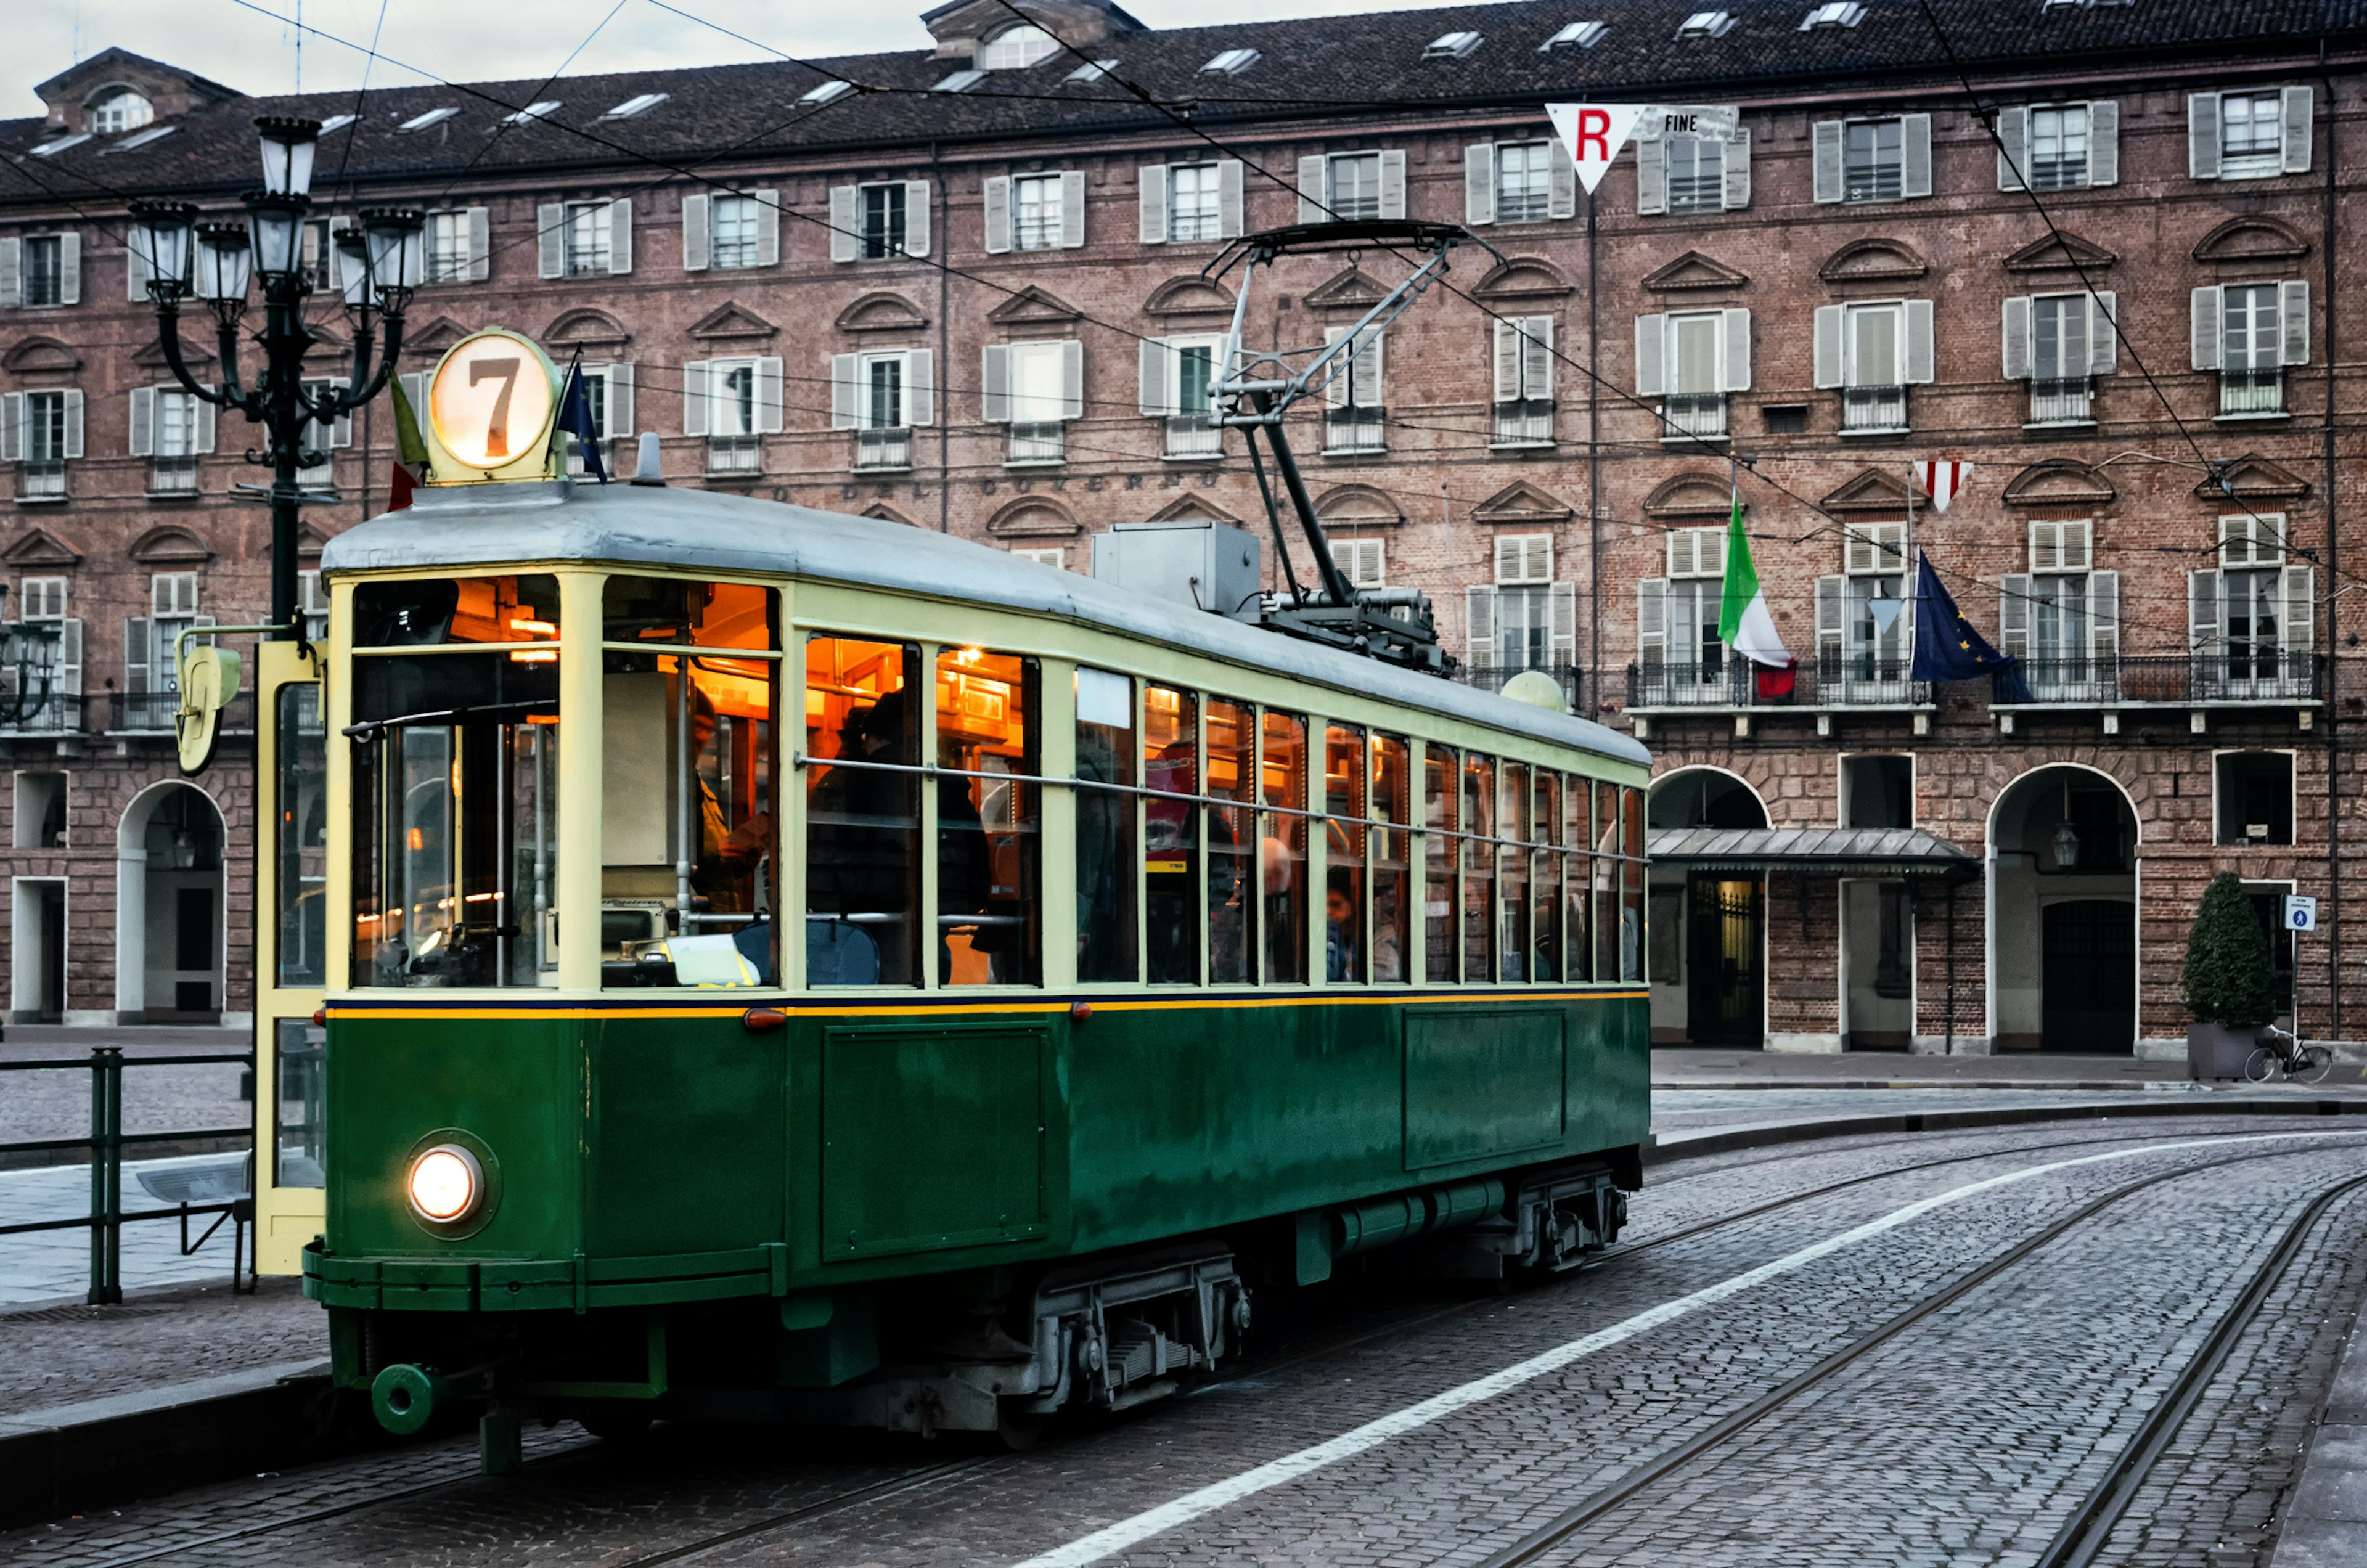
1726 991
38 975
168 939
2062 906
1708 929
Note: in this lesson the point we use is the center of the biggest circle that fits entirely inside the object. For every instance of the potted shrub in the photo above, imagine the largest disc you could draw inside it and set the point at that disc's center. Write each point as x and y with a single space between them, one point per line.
2230 981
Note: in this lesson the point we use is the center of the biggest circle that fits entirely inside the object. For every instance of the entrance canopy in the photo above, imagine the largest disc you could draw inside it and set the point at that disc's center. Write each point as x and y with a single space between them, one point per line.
1857 852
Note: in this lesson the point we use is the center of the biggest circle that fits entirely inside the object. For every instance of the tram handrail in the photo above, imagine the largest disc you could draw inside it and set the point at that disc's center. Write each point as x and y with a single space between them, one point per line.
931 770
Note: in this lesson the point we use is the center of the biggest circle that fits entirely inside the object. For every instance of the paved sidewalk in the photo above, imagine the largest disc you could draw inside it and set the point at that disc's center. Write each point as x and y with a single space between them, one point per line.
52 1266
2326 1523
66 1355
155 1099
1688 1067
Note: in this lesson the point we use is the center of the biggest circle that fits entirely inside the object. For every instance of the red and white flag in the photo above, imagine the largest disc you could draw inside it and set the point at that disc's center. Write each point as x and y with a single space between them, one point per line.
1940 481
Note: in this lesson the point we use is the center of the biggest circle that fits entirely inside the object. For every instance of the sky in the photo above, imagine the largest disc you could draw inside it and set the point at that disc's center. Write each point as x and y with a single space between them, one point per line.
241 46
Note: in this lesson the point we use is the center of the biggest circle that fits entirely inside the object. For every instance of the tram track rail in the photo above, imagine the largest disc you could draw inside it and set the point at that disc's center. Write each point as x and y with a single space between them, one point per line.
2081 1537
923 1477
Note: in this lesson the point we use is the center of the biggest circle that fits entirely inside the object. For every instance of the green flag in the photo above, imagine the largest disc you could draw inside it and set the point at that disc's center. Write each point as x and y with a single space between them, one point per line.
1743 621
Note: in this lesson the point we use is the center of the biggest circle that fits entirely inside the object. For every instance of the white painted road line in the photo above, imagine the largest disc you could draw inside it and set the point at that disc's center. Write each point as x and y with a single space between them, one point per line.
1116 1538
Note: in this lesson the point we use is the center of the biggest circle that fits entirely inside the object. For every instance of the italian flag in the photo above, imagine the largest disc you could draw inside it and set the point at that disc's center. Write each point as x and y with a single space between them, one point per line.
1743 622
410 451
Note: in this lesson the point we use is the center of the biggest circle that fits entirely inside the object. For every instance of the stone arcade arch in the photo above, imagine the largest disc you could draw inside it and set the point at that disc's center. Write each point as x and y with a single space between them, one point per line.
2063 866
169 907
1708 928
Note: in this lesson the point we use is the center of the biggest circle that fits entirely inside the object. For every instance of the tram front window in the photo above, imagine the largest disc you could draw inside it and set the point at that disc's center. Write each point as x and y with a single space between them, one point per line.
689 702
989 838
862 813
454 729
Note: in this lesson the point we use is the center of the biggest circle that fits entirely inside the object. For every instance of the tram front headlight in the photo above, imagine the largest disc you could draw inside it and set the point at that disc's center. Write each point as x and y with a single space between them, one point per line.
446 1184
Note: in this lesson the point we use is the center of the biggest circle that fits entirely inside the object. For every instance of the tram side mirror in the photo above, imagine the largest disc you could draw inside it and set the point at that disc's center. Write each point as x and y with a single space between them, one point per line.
209 680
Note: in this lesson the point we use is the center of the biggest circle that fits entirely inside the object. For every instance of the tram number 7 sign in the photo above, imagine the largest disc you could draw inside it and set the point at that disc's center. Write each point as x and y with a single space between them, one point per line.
2301 913
492 400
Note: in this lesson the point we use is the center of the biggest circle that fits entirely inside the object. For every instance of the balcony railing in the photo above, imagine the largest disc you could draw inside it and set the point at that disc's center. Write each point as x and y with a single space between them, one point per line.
1037 443
42 480
1524 421
2216 675
1352 429
1693 416
2251 391
883 448
732 454
1843 682
56 714
1866 409
2069 400
174 476
151 713
1194 435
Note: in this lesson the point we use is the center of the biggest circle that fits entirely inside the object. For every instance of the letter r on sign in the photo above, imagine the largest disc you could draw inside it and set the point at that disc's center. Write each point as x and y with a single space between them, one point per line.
1594 132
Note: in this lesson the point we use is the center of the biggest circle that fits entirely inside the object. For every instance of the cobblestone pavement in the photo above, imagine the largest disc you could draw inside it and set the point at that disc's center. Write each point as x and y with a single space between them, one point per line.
63 1355
155 1099
1962 1441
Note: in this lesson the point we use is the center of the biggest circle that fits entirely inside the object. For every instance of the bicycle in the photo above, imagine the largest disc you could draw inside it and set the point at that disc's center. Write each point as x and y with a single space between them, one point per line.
2283 1050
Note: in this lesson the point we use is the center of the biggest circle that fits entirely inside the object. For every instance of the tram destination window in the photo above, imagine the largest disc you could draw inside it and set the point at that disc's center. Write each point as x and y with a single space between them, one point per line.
990 923
689 695
1105 819
1390 802
1232 842
862 813
1440 856
454 737
1346 951
1171 862
1282 846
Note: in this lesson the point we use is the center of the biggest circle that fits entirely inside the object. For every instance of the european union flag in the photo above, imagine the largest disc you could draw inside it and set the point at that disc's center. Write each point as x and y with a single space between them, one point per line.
1947 646
575 419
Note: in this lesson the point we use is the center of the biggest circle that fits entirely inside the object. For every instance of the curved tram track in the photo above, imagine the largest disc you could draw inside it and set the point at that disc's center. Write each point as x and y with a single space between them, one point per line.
2074 1548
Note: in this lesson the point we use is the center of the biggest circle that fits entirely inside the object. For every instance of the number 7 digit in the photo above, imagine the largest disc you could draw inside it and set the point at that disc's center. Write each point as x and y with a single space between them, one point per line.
497 425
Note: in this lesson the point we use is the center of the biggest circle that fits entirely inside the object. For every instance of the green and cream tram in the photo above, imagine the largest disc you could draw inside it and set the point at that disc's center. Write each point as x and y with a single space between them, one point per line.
969 1047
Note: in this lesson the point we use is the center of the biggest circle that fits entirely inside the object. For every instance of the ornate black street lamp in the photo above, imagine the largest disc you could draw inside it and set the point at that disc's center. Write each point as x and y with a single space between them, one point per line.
375 270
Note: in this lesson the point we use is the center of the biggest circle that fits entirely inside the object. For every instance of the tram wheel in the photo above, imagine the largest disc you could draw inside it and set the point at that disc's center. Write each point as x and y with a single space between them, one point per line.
1017 1430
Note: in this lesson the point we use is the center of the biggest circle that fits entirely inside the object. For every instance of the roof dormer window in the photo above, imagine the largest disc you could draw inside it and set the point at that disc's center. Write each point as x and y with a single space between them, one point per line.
637 106
960 82
531 113
1232 62
1707 24
826 92
137 139
118 108
1837 14
1452 46
1016 48
337 122
423 121
1578 35
51 148
1091 71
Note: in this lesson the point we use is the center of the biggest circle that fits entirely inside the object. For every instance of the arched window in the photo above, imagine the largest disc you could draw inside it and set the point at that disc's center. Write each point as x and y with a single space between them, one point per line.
1014 48
120 108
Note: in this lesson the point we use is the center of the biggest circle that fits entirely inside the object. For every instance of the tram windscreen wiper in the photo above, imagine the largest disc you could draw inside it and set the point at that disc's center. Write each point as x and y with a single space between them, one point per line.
452 715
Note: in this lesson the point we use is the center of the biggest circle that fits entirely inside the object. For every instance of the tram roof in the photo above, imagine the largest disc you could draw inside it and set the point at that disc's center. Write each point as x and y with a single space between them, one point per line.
675 529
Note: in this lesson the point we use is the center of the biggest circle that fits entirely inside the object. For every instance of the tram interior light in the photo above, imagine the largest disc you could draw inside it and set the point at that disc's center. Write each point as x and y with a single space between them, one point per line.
446 1183
288 142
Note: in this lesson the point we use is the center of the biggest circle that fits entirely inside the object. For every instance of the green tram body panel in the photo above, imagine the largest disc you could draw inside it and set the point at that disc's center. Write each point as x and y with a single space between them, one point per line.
682 1157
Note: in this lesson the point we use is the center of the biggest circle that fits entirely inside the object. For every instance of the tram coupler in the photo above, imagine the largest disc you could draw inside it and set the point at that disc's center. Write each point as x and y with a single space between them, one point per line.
405 1397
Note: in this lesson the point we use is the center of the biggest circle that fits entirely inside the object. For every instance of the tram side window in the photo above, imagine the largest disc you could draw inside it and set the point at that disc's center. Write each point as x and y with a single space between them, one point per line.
862 813
989 831
1232 842
455 770
1478 868
1606 882
1345 838
1576 832
1171 721
690 711
1545 862
1441 854
1390 802
1512 874
1105 818
1631 917
1282 846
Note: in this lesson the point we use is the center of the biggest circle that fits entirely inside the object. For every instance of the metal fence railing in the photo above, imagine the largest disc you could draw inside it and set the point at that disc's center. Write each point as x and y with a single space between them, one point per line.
1843 680
107 1142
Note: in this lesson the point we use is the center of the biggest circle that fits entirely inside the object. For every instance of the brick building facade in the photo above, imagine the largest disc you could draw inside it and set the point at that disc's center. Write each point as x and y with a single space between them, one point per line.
967 288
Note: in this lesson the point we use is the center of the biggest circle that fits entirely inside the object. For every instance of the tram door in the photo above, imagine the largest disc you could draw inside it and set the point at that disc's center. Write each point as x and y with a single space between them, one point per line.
291 936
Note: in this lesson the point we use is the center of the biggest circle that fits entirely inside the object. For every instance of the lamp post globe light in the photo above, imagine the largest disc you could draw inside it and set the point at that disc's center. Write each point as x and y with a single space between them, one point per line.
216 262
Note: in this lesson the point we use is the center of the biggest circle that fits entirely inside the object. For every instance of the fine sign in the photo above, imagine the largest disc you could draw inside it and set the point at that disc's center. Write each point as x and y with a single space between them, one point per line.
2301 913
491 402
